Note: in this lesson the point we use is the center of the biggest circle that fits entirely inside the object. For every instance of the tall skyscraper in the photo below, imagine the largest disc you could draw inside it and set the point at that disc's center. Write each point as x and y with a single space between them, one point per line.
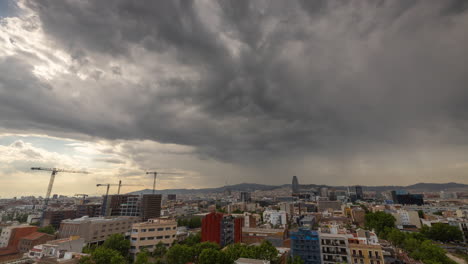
359 192
245 197
295 185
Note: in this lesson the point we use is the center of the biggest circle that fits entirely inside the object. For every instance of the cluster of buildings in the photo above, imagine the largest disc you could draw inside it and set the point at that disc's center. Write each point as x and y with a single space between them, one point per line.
317 224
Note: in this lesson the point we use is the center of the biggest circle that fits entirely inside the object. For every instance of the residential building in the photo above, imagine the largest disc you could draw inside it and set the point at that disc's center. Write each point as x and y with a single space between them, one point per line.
113 204
325 205
358 215
366 254
334 248
277 236
305 244
221 229
407 218
60 249
275 218
96 229
28 242
147 235
13 235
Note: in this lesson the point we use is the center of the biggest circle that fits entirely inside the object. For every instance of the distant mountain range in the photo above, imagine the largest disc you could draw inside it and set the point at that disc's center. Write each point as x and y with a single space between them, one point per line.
419 187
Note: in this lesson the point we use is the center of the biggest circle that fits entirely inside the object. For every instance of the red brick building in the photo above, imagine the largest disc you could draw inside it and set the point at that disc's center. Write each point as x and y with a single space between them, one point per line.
221 229
11 251
37 238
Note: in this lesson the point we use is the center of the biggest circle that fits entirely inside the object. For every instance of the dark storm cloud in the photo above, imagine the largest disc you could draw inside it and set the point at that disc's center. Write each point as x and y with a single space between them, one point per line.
272 77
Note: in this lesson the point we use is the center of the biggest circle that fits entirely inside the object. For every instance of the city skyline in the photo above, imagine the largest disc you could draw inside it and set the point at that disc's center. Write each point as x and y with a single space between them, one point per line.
334 92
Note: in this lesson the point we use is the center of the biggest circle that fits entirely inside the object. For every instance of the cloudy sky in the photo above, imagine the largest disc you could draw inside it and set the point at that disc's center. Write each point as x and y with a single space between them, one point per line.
336 92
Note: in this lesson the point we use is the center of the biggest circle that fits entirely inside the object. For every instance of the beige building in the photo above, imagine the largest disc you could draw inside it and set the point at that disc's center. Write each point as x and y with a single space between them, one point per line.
366 254
96 229
407 218
149 234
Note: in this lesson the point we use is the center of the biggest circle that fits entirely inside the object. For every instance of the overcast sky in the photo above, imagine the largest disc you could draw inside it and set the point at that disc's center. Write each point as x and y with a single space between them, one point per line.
335 92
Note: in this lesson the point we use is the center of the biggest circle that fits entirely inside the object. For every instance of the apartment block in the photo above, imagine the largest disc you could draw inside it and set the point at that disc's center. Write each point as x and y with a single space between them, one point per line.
305 244
221 229
147 235
334 248
28 242
366 254
96 229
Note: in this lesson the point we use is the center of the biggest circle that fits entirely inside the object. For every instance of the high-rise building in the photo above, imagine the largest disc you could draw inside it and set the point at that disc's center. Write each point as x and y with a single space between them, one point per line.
359 192
295 185
54 218
150 206
305 244
324 192
221 229
91 210
114 203
245 197
171 197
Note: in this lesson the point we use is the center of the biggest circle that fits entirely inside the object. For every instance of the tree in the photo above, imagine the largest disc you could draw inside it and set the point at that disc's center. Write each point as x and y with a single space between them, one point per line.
379 221
142 257
442 232
420 213
119 243
396 237
266 251
198 248
159 250
193 239
211 256
47 229
179 254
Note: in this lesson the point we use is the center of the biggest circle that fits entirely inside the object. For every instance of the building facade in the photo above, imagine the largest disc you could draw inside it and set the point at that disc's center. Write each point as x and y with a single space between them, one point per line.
221 229
147 235
334 248
305 244
95 230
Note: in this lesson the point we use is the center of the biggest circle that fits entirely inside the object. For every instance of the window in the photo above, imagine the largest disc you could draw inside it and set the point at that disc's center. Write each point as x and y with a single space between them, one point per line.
151 230
173 235
160 229
168 228
150 238
142 238
135 230
174 228
134 239
159 237
370 255
371 262
167 237
143 230
354 252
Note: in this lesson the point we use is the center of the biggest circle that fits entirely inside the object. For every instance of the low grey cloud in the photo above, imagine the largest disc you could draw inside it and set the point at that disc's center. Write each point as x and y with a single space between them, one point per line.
249 82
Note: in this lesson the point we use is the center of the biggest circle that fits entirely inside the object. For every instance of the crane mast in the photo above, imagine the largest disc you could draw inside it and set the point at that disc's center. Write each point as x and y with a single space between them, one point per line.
54 172
155 173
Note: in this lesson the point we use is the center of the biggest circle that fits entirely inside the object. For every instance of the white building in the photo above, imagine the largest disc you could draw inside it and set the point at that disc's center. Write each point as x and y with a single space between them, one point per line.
405 217
62 249
275 217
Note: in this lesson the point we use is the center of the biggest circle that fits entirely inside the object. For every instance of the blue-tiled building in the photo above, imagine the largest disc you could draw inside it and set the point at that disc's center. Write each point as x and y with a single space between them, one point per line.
305 243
